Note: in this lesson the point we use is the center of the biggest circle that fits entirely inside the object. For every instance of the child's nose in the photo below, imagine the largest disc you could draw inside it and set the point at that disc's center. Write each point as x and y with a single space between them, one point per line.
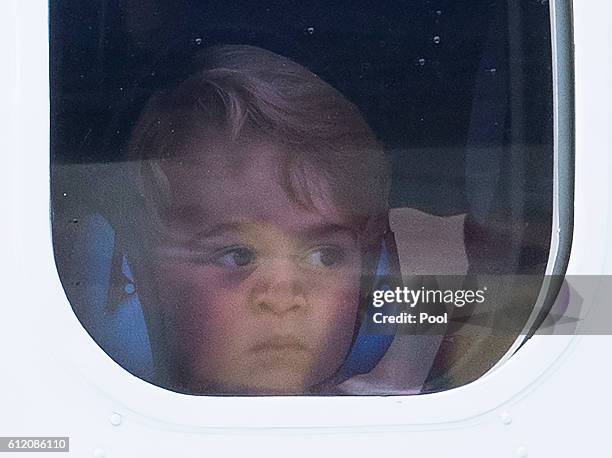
279 288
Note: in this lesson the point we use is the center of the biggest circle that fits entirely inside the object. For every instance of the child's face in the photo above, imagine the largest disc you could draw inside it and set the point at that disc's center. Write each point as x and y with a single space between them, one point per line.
258 294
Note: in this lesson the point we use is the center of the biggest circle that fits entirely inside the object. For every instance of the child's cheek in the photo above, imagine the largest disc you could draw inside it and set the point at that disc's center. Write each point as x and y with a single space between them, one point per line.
196 299
338 305
206 292
206 309
334 302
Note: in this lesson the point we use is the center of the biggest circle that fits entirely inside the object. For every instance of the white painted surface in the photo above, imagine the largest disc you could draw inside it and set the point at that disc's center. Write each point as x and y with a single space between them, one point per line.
56 381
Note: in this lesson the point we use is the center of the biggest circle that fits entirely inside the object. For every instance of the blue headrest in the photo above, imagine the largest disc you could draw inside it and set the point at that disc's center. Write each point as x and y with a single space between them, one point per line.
108 304
371 343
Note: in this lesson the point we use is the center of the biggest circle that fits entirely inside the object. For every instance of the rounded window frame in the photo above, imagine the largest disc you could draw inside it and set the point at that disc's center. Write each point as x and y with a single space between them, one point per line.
179 411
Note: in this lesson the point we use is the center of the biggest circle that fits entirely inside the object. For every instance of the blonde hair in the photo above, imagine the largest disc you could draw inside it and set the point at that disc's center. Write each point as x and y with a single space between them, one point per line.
251 94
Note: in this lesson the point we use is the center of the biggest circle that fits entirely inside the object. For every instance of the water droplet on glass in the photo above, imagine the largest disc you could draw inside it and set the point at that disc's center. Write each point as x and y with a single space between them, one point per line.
436 39
421 61
492 71
198 41
310 30
439 13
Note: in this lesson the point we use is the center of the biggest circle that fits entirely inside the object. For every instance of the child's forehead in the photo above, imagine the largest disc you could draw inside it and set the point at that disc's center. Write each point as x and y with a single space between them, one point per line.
263 166
212 185
214 149
208 189
210 173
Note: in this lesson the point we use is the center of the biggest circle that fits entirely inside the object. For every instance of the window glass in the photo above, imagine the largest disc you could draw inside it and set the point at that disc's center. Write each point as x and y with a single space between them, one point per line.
269 198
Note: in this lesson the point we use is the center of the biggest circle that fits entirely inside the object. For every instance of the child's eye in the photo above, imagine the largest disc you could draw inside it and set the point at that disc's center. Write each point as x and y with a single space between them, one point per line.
234 257
324 256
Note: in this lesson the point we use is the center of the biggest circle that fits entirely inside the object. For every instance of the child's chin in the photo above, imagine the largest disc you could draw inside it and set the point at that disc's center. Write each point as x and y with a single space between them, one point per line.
274 383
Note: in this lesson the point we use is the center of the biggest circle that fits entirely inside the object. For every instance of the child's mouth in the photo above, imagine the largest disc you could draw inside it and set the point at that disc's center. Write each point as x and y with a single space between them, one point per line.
280 344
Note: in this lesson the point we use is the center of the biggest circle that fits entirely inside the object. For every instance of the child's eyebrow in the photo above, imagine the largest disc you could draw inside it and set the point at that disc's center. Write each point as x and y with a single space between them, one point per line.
222 228
311 232
318 231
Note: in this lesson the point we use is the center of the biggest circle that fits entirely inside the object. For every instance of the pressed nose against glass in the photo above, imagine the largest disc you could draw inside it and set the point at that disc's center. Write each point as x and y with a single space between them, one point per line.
278 286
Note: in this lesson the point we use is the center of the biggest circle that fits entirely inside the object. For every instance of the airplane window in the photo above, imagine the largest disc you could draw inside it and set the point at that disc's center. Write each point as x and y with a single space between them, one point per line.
266 198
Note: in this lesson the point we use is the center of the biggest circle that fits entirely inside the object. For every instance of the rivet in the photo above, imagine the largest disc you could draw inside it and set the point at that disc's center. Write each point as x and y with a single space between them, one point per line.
505 418
115 419
99 453
522 452
129 288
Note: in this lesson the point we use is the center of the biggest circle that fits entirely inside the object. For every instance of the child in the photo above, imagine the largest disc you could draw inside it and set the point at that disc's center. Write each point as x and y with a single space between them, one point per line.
264 202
